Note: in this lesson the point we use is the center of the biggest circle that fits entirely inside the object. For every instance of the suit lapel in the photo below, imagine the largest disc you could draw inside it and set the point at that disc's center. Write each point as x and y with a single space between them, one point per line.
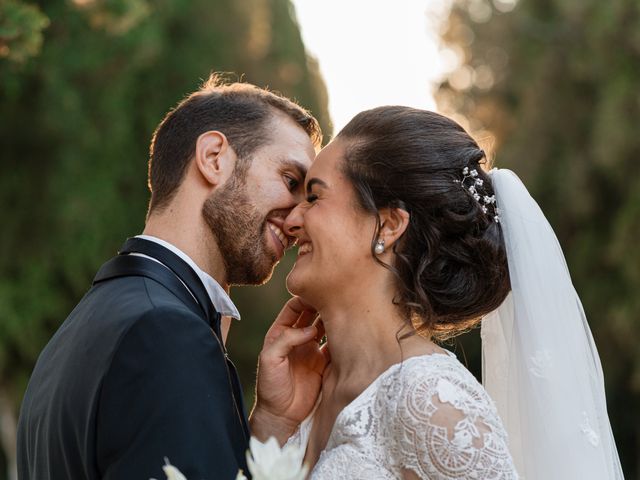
130 265
183 281
181 269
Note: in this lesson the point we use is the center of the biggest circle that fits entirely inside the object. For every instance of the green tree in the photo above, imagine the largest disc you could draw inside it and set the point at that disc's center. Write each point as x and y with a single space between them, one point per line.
77 116
553 85
21 28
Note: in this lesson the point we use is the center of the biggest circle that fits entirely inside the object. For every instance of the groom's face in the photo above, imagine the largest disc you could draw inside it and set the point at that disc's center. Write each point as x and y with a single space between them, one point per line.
247 213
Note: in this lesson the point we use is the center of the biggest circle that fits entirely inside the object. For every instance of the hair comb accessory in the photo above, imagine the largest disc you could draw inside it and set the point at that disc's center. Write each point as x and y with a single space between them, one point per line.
474 185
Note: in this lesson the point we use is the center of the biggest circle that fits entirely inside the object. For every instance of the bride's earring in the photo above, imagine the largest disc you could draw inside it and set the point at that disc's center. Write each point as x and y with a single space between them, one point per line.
379 248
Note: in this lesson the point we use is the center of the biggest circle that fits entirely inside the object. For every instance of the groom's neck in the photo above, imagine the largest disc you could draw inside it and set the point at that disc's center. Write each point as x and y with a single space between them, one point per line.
192 237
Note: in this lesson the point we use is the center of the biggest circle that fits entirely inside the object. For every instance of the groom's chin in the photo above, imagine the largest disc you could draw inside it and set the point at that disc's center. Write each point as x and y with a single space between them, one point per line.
254 274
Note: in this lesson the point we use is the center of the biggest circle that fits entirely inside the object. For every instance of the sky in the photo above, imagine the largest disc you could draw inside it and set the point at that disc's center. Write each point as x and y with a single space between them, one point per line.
375 52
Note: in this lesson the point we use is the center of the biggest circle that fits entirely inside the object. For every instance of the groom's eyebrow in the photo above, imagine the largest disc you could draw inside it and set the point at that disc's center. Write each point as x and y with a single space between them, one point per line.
315 181
299 167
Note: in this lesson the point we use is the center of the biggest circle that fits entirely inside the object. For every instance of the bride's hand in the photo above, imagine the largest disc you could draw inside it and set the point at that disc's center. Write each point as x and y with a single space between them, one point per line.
290 369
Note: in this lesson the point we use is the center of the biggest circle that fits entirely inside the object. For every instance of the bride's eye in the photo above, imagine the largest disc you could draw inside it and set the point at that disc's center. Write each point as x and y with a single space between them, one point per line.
312 197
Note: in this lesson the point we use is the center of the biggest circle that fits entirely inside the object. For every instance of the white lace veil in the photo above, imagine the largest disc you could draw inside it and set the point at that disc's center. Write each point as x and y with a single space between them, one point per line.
540 364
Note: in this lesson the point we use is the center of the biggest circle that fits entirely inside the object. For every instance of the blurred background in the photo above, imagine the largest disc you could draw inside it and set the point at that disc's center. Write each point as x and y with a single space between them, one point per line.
550 87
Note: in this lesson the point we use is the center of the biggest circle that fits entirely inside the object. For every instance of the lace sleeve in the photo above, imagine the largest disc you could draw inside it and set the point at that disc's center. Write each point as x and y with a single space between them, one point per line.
447 428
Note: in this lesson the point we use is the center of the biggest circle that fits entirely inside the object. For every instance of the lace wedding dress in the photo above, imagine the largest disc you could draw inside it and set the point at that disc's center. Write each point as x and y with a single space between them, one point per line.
427 414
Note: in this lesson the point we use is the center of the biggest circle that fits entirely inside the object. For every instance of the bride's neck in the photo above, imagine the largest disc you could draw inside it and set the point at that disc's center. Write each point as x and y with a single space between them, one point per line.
363 334
364 329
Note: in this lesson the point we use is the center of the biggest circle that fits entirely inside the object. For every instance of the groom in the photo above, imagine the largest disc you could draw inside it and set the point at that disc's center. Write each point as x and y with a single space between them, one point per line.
139 371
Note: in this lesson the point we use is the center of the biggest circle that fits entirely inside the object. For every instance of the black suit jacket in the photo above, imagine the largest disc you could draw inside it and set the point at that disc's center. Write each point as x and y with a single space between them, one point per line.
135 374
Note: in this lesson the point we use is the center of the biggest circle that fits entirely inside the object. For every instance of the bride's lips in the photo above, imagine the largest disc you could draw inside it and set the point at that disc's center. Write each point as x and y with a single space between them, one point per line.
280 240
304 248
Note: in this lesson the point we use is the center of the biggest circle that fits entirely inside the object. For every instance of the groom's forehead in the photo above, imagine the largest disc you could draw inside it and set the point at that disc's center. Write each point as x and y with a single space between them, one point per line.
297 153
291 142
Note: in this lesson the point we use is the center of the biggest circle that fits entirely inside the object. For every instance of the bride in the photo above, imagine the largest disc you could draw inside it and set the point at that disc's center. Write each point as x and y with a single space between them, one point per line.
405 240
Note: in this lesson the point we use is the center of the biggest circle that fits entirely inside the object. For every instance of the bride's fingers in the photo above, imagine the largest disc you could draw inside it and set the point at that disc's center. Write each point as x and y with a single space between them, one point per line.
320 326
280 346
306 318
291 312
289 315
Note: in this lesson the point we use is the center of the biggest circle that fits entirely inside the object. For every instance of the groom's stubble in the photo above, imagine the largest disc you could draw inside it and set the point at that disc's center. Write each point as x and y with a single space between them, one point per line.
240 231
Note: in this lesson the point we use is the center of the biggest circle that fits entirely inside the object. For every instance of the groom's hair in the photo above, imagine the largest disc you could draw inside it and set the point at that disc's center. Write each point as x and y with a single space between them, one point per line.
239 110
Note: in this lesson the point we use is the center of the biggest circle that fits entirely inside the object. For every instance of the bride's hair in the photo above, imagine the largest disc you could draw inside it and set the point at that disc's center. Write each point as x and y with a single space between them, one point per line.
451 262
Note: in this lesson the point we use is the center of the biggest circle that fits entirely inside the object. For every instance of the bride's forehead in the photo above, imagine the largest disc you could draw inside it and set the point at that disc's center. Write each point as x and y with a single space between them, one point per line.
328 160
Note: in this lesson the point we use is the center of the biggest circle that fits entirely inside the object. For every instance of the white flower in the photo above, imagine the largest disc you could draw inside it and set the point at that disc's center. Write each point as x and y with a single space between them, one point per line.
479 182
267 461
465 171
240 475
474 173
172 472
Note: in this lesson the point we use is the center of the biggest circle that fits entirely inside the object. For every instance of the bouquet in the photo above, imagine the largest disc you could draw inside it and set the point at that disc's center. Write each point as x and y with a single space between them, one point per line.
266 461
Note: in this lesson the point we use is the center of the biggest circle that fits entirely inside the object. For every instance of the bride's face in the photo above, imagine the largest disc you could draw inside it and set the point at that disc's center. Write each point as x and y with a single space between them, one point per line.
334 234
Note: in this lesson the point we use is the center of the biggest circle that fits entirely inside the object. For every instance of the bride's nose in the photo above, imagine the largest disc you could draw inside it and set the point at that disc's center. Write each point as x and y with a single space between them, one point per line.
294 222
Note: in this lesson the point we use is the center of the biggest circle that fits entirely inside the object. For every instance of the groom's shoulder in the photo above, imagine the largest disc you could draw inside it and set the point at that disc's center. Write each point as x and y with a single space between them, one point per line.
127 299
130 301
83 348
112 310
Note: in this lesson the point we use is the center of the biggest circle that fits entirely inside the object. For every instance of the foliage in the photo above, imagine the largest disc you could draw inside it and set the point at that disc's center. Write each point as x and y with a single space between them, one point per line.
553 84
77 117
21 28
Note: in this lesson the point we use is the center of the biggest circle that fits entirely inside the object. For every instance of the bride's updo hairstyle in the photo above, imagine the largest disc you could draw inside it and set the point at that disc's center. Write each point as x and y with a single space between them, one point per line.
451 262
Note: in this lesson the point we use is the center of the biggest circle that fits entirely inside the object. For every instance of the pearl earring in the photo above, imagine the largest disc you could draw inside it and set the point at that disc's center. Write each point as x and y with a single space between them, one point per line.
379 248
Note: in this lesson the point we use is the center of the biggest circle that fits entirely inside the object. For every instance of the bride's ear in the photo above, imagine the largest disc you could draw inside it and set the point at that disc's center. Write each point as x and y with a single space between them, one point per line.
393 223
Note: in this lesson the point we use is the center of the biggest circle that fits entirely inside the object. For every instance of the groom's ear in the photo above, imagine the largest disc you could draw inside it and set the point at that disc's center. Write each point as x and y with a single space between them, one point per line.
214 157
393 223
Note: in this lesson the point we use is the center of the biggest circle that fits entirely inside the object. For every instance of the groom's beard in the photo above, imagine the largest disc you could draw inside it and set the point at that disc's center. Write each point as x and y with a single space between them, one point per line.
240 230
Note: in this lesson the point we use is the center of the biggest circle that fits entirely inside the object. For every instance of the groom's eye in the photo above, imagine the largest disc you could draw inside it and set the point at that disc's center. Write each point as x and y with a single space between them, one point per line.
292 182
312 197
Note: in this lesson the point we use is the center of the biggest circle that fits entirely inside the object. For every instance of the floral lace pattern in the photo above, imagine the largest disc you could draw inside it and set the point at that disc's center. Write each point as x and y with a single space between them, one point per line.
428 415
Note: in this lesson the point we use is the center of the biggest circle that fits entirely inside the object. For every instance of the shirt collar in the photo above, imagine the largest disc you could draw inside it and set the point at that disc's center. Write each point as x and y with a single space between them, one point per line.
220 299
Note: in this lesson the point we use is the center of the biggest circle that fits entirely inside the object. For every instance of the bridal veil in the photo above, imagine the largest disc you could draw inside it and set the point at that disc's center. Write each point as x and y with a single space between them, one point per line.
540 363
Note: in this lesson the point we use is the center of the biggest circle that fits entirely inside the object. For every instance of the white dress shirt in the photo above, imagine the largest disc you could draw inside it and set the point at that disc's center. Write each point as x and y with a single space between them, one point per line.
220 299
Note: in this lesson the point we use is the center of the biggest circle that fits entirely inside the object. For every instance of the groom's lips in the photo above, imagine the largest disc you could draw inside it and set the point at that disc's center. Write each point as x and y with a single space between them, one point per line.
280 240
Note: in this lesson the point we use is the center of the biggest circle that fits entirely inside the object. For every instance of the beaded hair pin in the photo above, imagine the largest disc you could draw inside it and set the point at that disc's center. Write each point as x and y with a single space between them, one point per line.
472 184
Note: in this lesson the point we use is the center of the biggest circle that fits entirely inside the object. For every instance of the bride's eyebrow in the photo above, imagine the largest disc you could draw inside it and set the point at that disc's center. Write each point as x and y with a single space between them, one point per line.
315 181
